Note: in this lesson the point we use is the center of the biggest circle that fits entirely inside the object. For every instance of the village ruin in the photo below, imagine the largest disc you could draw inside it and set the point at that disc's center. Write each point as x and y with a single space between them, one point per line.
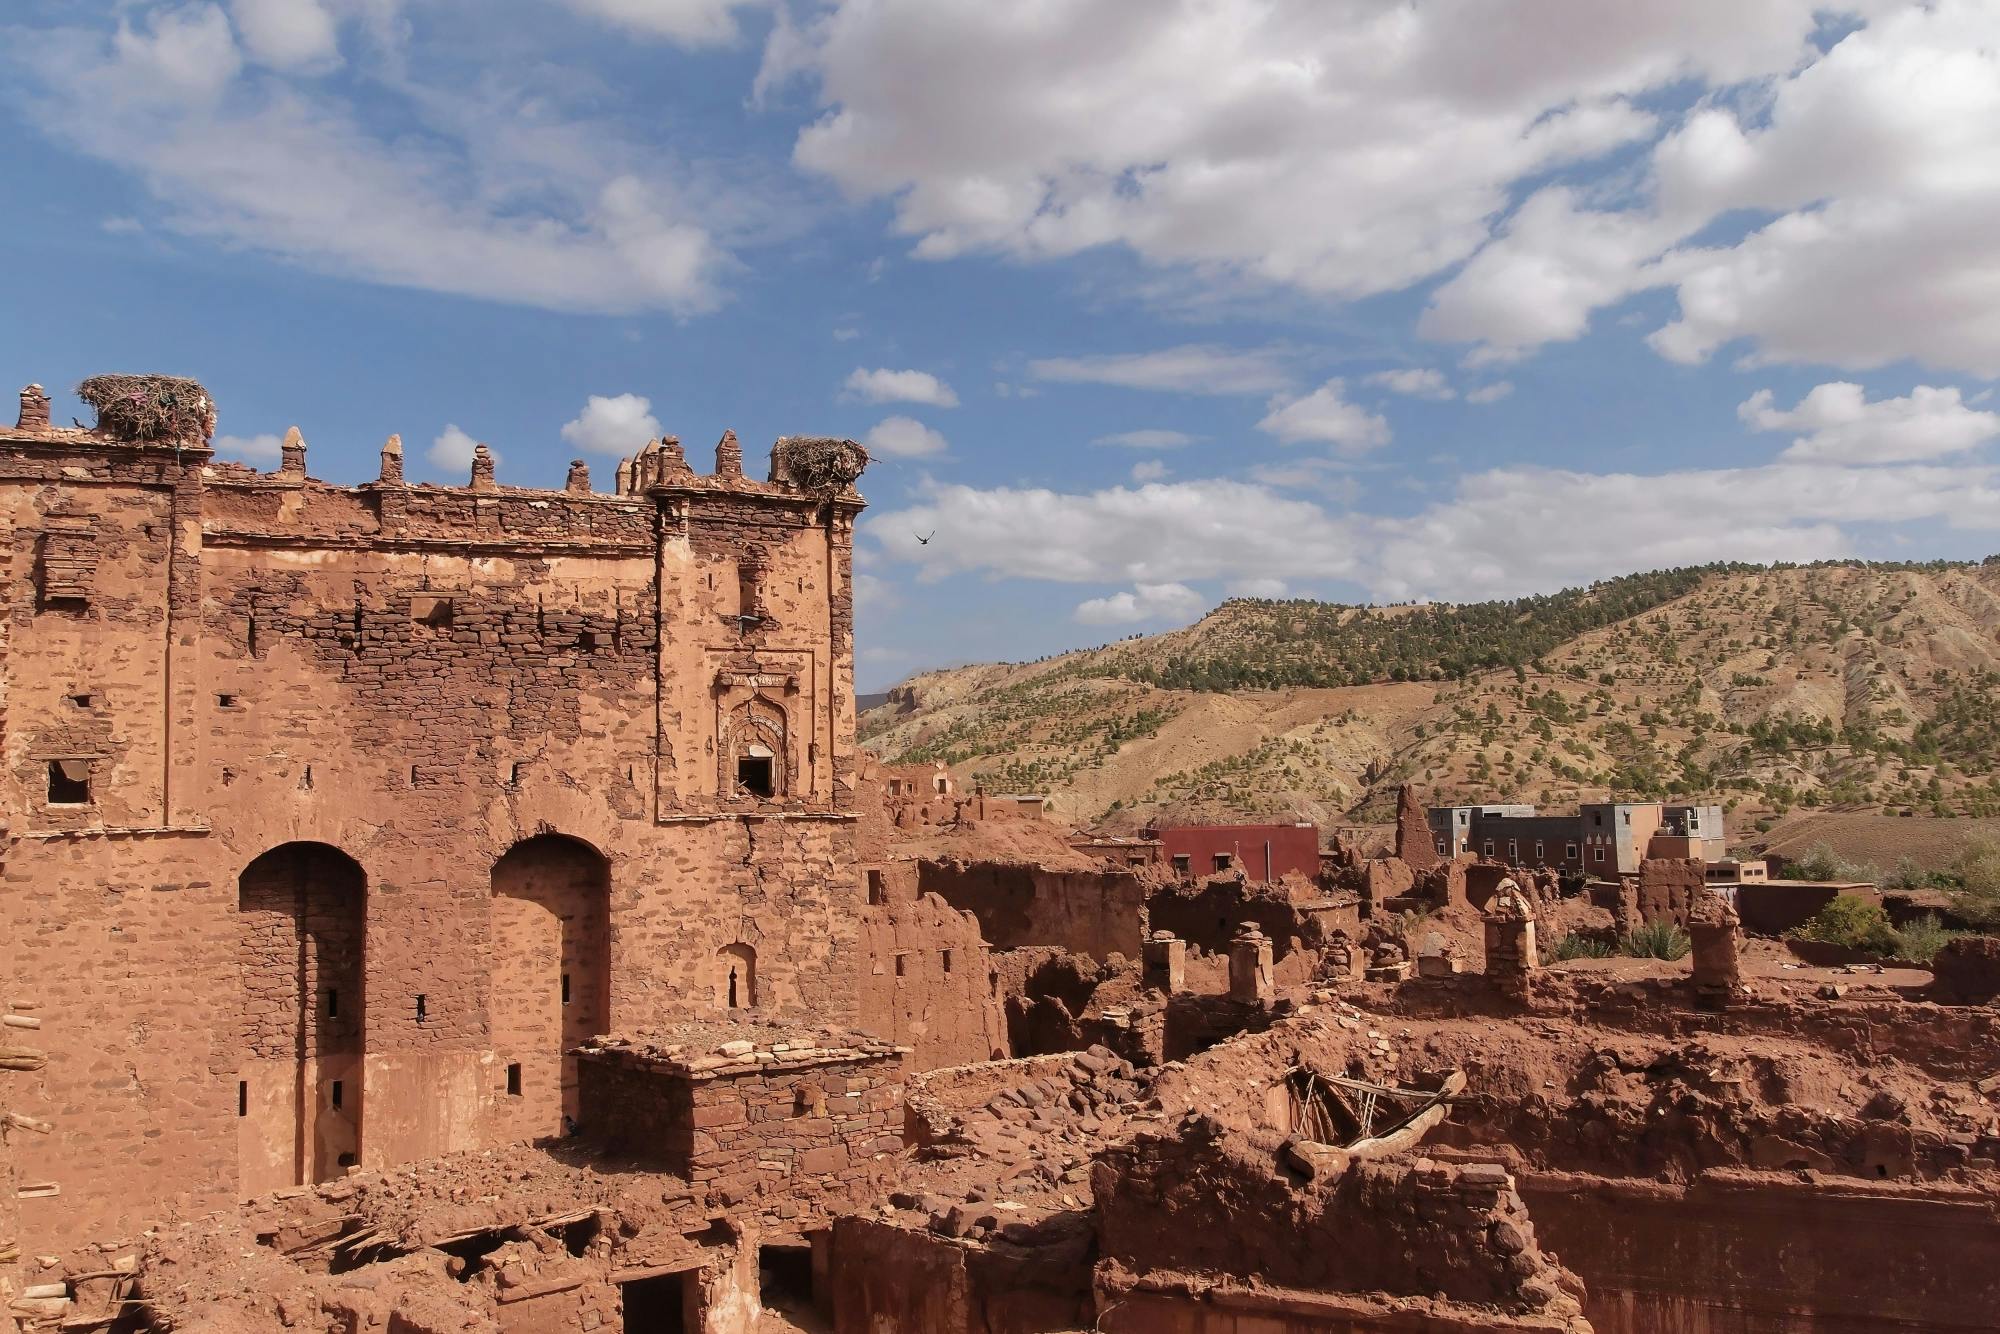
431 909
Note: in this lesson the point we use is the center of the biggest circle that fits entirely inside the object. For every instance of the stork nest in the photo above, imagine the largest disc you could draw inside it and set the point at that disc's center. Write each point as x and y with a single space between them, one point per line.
150 409
820 464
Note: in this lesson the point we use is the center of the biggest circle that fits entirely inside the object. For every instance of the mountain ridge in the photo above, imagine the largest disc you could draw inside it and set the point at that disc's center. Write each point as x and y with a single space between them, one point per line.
1839 684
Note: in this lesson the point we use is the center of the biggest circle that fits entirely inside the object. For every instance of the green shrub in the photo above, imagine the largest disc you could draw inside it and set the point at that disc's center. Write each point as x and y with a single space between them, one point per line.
1852 923
1978 898
1659 939
1920 941
1576 945
1821 862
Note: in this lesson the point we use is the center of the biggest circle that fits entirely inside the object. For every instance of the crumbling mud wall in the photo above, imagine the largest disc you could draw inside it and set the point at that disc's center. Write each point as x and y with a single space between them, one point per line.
1207 915
928 983
1968 970
899 1280
1759 1253
1099 913
1668 886
1178 1203
206 666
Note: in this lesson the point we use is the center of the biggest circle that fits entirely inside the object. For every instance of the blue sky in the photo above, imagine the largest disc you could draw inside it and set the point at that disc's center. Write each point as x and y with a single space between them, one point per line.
1138 305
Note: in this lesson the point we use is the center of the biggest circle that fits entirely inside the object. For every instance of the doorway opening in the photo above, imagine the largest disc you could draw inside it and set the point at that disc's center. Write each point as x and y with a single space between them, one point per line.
662 1304
785 1279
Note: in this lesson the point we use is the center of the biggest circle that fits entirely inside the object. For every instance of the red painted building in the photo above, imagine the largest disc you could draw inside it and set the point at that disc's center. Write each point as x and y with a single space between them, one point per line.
1263 851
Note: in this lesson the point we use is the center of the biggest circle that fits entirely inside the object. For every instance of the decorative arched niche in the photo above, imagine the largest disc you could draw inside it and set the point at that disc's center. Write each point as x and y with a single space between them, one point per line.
756 756
736 977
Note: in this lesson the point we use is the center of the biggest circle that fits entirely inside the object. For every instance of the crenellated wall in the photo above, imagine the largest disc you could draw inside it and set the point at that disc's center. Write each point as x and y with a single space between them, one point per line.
413 682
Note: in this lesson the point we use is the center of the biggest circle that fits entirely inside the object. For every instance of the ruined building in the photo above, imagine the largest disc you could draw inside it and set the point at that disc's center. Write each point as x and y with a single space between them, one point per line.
334 817
460 910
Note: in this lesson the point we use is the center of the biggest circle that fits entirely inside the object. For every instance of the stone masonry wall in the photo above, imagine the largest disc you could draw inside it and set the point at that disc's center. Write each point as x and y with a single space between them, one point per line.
1099 913
753 1127
416 679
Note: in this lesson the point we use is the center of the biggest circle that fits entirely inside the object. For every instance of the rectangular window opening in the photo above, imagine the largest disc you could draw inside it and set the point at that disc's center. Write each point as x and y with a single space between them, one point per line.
753 775
422 1013
83 701
1223 861
875 894
514 1080
899 965
333 1002
243 1097
947 960
335 1100
69 782
1183 863
565 988
225 701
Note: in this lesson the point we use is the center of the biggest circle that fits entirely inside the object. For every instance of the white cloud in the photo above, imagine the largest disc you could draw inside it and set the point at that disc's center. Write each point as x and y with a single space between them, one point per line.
873 593
1538 283
1310 475
1327 416
451 452
1490 539
687 22
1258 588
887 386
904 437
183 56
1869 176
1145 602
1376 141
1414 382
619 424
1148 438
286 34
1490 393
1166 532
1190 369
489 193
1839 425
264 448
1148 470
846 334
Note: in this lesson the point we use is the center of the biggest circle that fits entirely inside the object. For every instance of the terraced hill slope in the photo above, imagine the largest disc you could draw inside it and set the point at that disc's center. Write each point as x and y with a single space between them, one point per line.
1862 687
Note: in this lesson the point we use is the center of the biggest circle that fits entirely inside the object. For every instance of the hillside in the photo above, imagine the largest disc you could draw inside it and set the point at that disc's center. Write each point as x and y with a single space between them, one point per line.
1839 686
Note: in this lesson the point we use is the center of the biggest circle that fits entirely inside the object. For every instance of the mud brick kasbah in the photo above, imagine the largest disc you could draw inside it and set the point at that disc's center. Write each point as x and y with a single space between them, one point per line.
401 791
435 909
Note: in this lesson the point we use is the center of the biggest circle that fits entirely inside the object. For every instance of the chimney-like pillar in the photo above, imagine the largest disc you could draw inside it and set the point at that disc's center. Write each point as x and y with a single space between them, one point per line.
728 457
392 461
1250 980
292 454
34 409
1164 965
482 469
579 476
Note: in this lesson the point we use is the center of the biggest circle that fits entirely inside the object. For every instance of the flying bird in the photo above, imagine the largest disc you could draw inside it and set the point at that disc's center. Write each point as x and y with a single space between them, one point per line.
923 541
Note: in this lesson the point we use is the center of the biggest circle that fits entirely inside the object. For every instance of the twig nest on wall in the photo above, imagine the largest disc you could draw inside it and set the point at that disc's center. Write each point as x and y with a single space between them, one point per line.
150 409
819 464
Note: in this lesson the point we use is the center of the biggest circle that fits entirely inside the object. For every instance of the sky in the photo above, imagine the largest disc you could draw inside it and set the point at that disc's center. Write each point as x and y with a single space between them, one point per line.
1137 304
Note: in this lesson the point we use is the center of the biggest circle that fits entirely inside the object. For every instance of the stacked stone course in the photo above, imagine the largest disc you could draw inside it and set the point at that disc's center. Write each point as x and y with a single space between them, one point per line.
757 1113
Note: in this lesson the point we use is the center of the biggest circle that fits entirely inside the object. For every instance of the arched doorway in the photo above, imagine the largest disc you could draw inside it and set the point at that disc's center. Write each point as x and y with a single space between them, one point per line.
551 951
301 930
